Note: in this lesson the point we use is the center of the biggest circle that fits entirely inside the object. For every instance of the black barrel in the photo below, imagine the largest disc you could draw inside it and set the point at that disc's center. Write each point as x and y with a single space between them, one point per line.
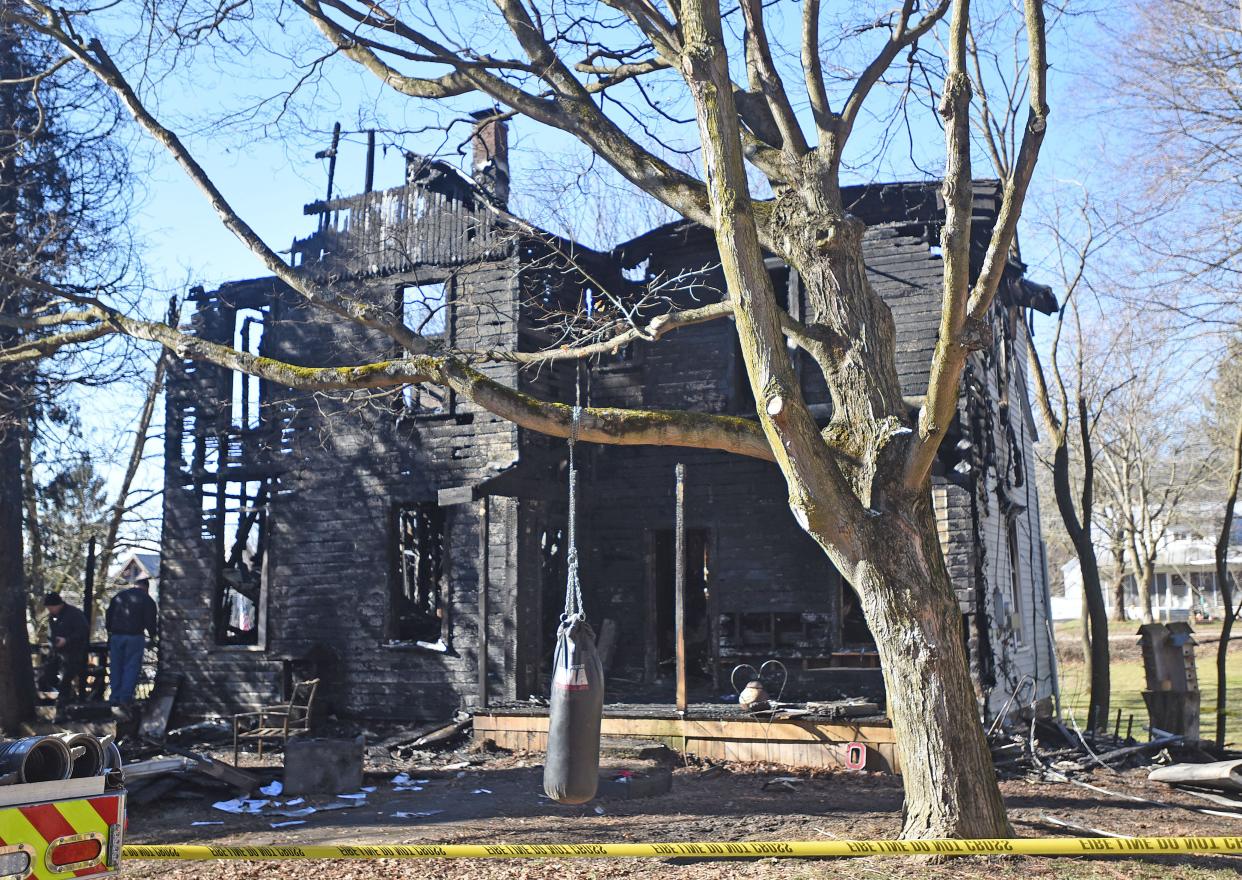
36 759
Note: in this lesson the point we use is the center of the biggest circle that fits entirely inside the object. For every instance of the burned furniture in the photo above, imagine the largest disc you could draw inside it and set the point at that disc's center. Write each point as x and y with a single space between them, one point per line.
276 722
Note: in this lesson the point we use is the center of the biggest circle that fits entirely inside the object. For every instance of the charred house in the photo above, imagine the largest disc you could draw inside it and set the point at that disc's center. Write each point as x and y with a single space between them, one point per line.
408 547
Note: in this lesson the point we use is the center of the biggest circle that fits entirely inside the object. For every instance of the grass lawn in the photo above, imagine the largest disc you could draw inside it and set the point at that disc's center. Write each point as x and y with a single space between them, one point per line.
1128 680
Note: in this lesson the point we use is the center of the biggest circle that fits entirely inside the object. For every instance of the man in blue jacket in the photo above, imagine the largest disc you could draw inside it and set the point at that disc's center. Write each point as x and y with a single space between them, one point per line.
129 613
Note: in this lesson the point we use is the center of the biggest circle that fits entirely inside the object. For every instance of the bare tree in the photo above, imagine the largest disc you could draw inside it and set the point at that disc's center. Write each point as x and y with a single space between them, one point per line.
1181 80
1071 399
1181 85
1153 460
860 487
120 506
60 189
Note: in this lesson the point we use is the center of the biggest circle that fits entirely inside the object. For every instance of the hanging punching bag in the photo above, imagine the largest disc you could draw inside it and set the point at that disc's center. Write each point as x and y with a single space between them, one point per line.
571 771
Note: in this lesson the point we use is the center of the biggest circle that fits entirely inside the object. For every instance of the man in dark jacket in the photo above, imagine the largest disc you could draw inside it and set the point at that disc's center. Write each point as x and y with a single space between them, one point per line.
129 613
70 634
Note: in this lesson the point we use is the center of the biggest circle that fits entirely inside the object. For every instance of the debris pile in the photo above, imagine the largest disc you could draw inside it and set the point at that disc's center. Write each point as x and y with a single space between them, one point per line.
1046 750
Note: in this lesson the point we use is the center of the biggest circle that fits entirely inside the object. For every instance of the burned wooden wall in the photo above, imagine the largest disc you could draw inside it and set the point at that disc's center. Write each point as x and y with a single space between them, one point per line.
348 466
364 556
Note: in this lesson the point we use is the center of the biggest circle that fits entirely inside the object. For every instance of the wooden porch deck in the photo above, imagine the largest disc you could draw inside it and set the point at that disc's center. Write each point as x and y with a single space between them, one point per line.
721 733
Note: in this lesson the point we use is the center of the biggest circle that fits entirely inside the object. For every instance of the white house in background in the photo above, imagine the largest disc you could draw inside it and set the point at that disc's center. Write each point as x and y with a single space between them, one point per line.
133 567
1185 582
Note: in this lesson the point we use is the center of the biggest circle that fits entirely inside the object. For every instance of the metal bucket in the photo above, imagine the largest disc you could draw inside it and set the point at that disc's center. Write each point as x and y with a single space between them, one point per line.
36 759
92 759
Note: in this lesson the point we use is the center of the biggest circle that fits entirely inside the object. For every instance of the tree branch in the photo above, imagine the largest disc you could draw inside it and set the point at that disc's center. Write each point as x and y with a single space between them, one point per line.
952 348
764 79
1014 194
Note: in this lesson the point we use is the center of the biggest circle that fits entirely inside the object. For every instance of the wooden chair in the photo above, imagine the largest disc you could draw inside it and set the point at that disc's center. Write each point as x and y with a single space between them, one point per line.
293 718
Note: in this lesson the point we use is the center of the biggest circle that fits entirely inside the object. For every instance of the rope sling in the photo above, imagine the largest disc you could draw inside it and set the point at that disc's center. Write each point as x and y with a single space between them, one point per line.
571 770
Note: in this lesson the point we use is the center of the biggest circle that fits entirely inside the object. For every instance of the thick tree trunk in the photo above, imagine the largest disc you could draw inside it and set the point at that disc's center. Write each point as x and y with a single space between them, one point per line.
1226 589
1095 630
910 605
1147 583
1119 582
16 676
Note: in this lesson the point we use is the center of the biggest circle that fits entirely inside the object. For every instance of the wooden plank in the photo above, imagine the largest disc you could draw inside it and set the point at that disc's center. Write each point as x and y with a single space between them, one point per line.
741 730
679 601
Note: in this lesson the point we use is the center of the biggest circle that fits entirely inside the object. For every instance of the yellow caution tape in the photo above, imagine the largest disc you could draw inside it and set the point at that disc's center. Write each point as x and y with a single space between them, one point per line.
1049 846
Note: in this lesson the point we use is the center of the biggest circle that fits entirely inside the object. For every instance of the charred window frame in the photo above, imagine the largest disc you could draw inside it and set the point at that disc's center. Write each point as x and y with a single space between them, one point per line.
419 608
425 306
246 397
236 515
1017 620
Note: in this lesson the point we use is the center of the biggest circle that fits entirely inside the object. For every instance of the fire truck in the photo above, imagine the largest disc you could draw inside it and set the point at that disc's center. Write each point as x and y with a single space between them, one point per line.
62 807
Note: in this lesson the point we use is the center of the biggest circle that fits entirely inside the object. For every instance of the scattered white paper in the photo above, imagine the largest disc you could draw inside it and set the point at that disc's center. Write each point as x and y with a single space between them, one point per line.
295 802
340 806
599 811
401 779
240 805
368 788
206 823
482 791
273 788
290 822
408 788
421 814
356 796
294 814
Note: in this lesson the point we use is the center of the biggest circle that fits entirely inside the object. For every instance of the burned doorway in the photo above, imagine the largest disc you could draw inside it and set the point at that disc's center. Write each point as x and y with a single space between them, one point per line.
661 653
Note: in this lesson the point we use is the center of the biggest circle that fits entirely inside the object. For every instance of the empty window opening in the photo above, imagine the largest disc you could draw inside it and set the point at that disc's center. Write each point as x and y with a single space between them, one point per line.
1014 598
419 612
236 517
424 309
247 389
697 626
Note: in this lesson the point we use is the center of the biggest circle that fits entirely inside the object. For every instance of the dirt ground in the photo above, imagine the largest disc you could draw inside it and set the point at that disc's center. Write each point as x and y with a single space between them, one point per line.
500 800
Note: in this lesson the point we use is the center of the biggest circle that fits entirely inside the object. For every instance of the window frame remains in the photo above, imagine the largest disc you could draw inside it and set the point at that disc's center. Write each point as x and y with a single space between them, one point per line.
423 401
229 506
419 607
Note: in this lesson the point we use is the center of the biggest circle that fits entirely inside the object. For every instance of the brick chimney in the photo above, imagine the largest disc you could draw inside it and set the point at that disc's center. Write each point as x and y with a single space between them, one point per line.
490 166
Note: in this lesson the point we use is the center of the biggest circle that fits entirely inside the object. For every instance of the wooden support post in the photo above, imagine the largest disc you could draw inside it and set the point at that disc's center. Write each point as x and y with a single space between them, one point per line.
88 589
485 528
369 183
680 586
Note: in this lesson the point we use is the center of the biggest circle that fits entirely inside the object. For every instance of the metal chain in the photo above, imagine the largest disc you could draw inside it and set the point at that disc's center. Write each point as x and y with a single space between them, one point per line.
573 589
